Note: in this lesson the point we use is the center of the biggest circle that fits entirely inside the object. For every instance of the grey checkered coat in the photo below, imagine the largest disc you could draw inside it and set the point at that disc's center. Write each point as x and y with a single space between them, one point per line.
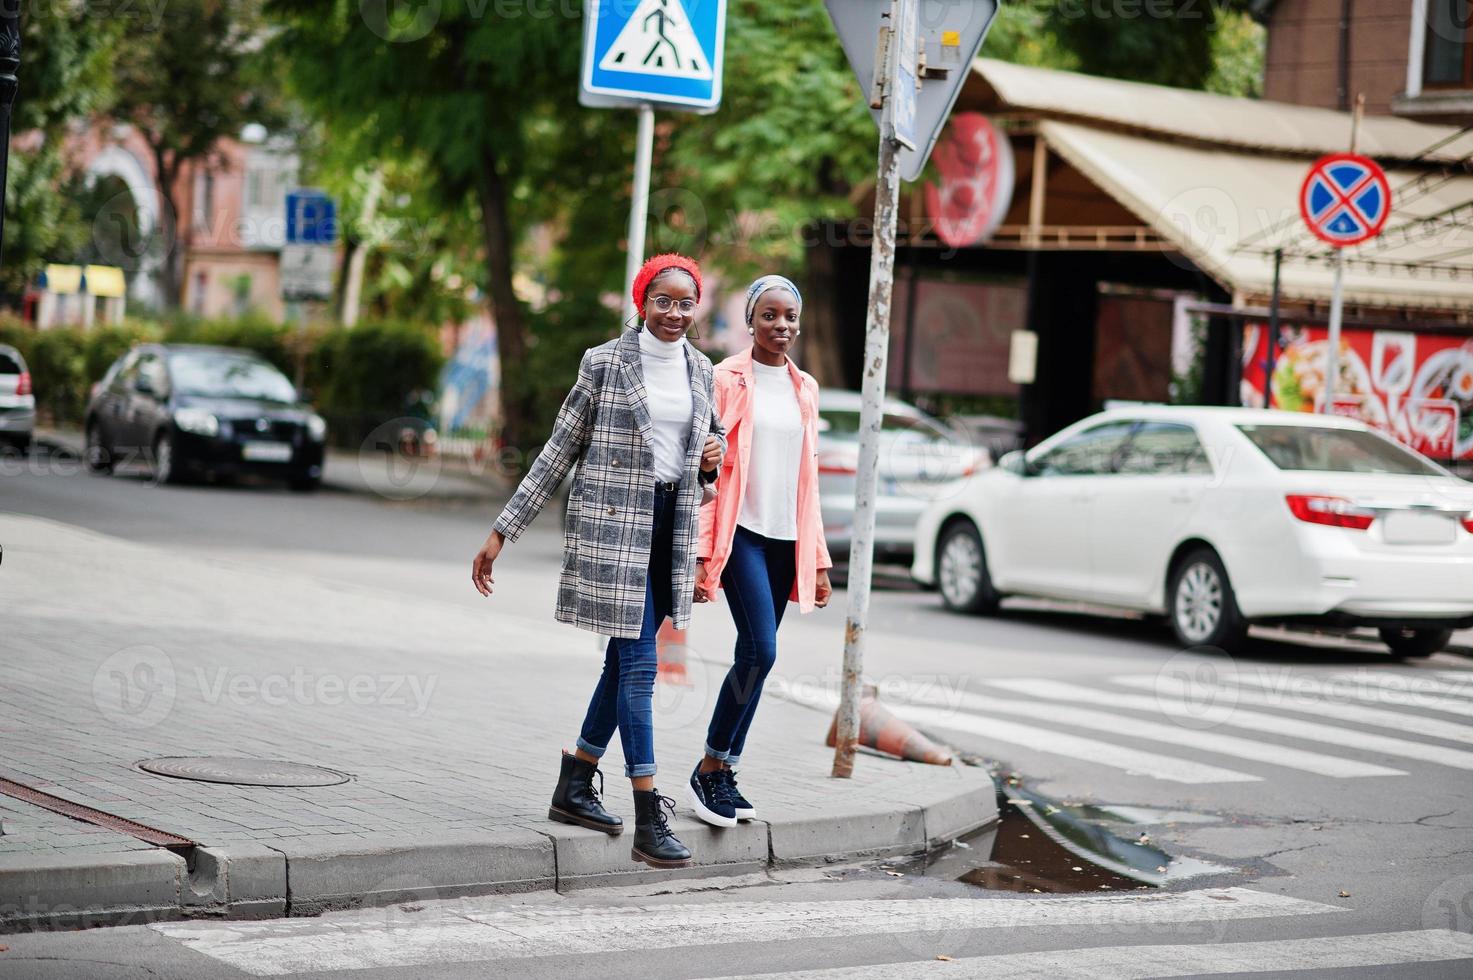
604 427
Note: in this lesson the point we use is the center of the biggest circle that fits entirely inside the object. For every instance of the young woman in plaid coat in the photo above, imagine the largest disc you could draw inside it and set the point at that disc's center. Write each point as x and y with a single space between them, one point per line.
641 426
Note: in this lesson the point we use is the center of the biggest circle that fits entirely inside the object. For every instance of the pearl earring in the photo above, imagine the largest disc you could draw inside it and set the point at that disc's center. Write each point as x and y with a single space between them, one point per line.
751 331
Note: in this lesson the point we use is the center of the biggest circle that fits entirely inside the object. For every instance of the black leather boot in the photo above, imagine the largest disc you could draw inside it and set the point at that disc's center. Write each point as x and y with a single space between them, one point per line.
575 800
654 842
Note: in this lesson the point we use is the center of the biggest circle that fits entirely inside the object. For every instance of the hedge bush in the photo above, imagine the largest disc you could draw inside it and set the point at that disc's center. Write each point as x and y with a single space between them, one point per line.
359 377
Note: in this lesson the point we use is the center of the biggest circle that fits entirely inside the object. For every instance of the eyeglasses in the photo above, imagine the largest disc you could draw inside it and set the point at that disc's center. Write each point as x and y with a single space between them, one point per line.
664 303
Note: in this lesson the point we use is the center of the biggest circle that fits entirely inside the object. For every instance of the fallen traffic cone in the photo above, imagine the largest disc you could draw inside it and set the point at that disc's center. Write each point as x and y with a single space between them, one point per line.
880 730
670 655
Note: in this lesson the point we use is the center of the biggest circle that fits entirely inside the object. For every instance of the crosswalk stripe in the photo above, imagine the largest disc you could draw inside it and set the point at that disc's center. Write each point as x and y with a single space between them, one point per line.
1339 689
1236 717
1362 714
1243 748
460 932
1411 683
1133 761
1148 962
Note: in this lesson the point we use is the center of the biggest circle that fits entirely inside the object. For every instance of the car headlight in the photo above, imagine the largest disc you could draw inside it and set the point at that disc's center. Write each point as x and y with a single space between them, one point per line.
198 421
316 428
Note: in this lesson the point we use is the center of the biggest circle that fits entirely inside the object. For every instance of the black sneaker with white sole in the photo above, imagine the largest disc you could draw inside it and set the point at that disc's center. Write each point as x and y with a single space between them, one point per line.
708 797
739 804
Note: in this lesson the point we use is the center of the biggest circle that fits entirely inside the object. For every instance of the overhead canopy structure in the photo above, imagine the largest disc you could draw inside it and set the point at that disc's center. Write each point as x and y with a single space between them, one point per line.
1216 179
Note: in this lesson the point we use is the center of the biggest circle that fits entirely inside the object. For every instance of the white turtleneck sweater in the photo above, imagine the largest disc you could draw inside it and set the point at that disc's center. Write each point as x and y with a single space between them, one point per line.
667 388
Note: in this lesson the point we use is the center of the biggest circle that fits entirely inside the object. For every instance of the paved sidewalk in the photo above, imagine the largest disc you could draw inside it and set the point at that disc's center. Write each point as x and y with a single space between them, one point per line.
448 720
390 476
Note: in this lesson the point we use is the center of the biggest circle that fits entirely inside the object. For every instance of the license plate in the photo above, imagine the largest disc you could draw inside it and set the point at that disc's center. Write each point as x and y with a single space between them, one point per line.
266 452
1410 527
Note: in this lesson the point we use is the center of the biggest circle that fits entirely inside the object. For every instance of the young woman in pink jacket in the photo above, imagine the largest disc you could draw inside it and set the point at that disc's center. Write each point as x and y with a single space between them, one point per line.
761 538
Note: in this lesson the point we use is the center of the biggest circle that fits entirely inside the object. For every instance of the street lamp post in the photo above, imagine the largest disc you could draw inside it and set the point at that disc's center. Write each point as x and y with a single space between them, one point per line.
9 82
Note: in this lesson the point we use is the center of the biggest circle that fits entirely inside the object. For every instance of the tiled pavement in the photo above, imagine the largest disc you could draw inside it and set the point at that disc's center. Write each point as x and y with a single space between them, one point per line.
448 720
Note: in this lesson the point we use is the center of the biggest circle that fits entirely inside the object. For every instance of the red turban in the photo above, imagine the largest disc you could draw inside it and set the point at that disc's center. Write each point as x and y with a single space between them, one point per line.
656 265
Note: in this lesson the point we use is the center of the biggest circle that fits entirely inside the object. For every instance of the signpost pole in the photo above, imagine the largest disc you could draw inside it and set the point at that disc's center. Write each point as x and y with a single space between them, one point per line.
639 201
1272 347
876 347
1337 303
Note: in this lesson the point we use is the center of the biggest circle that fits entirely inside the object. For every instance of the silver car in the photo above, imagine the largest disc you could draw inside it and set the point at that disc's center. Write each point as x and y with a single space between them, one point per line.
17 402
921 460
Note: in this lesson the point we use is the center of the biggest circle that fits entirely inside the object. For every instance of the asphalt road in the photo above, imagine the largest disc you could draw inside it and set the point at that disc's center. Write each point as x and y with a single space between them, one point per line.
1318 790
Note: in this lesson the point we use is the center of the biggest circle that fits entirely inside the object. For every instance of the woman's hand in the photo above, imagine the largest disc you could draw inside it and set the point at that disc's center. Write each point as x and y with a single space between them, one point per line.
481 564
823 589
701 594
711 454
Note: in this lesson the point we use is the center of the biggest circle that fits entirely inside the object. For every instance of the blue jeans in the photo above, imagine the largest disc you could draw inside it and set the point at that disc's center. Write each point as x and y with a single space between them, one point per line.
758 579
624 697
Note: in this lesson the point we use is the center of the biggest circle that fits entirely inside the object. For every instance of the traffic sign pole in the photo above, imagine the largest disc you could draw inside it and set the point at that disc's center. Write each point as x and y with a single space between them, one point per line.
1337 298
876 349
639 201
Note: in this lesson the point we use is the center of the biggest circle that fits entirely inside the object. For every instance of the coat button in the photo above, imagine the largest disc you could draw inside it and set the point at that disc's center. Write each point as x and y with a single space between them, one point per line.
613 462
612 511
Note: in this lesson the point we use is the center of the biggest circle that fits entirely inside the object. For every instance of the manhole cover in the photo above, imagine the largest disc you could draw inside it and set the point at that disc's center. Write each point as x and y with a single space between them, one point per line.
242 772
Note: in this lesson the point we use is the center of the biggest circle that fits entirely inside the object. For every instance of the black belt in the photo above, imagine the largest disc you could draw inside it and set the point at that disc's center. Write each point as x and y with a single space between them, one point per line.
666 486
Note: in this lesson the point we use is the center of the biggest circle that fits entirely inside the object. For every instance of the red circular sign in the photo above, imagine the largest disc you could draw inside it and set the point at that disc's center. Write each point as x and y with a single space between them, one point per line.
975 161
1345 199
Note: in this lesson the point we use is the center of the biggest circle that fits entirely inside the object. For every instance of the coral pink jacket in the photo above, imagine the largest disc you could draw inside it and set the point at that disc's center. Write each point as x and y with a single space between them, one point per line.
734 388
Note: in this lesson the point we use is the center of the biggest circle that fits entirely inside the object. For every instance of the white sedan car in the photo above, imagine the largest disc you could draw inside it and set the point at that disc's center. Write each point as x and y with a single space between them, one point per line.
1217 518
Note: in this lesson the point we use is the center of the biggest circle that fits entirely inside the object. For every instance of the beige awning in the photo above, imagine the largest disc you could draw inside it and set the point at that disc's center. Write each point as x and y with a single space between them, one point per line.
1221 119
1227 207
63 278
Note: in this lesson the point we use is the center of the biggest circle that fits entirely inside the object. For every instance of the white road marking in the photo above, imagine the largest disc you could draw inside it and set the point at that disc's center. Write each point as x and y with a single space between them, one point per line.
1243 748
1343 688
1236 717
1147 962
1309 703
463 932
1411 683
1134 761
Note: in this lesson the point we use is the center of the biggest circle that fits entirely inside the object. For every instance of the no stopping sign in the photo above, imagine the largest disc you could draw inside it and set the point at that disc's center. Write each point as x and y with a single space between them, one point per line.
1345 199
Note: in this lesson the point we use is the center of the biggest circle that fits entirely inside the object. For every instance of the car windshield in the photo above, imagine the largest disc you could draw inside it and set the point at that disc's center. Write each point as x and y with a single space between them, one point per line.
843 425
1305 447
229 376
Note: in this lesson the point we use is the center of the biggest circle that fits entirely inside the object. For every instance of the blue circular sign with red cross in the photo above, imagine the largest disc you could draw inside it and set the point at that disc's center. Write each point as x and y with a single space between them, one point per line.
1345 199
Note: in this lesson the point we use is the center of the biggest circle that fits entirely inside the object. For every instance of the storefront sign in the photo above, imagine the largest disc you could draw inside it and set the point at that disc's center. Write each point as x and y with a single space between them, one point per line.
975 161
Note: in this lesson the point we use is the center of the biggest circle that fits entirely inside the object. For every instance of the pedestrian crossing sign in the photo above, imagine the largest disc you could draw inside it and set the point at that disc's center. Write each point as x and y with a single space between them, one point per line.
662 52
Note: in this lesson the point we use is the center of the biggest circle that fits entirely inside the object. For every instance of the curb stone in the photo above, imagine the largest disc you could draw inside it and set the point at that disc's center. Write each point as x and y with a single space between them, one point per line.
307 876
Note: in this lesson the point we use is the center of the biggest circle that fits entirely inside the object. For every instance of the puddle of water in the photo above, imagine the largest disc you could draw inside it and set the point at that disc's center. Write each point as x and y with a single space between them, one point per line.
1039 845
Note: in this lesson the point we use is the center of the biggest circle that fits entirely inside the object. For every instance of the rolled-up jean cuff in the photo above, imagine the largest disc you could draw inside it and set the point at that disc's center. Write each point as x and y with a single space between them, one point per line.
732 760
591 749
715 754
644 769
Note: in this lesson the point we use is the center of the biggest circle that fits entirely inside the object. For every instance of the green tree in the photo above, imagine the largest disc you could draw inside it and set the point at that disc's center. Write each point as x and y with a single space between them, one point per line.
65 76
195 79
457 83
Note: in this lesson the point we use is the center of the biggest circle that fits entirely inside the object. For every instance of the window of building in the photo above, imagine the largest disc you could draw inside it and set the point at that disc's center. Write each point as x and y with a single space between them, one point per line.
1449 46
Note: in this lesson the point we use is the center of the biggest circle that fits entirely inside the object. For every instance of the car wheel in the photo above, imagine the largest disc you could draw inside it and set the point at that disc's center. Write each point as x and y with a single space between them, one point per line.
1407 642
1203 609
165 462
961 571
304 483
99 458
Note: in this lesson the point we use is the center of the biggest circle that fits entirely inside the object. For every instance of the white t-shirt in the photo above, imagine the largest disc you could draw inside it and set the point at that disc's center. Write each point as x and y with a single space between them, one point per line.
770 504
667 389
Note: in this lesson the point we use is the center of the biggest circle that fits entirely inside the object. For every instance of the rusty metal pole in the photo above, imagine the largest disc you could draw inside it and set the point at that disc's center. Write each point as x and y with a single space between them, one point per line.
9 85
876 349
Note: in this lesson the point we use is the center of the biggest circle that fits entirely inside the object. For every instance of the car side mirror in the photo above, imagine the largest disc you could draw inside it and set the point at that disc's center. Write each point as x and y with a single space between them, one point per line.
144 386
1016 462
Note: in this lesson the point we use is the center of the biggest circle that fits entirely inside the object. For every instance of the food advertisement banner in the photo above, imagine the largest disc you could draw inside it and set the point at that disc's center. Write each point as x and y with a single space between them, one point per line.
1415 387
